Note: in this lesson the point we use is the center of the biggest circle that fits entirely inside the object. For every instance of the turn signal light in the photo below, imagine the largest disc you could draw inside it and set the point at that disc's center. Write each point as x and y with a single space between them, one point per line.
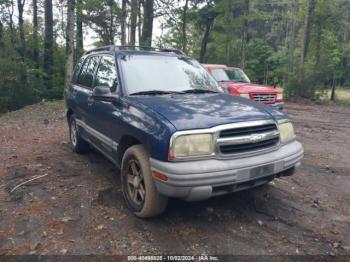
160 176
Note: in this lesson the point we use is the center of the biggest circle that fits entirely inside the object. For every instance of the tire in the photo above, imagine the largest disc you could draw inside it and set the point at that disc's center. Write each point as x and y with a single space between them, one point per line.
78 144
139 190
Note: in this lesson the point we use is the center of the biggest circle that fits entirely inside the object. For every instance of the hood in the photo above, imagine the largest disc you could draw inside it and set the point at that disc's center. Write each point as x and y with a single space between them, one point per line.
194 111
245 88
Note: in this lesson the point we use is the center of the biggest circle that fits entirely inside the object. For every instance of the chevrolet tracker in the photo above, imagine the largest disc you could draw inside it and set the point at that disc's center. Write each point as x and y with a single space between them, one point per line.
163 120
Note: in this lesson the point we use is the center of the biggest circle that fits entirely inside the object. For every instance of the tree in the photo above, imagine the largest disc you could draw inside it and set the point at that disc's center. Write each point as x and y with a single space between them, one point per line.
69 42
35 34
133 21
22 42
207 17
123 22
48 45
79 24
147 26
9 9
1 34
306 38
244 32
184 25
292 41
101 17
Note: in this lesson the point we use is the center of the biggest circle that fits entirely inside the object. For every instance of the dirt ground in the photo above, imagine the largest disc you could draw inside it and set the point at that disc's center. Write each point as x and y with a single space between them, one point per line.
78 207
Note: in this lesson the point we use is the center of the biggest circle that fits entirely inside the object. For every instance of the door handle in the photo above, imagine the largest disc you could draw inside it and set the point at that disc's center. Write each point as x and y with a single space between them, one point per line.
90 101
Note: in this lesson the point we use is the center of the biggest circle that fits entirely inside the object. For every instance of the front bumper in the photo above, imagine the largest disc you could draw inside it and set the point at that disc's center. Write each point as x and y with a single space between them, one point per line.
202 179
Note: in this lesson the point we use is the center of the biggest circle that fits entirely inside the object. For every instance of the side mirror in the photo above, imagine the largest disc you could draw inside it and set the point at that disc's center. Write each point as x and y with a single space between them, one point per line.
103 93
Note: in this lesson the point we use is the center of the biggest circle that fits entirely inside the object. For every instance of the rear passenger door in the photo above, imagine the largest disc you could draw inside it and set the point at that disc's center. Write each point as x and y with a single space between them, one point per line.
82 88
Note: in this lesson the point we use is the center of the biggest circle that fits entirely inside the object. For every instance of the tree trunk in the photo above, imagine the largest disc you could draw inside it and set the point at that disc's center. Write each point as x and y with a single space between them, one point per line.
139 20
48 45
123 22
208 27
333 89
244 33
147 27
79 36
111 23
69 43
22 41
306 38
35 34
1 34
133 22
12 31
228 31
184 25
318 44
295 6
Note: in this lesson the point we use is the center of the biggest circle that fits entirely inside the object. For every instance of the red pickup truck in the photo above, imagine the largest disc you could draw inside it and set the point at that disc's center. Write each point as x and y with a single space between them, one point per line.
234 81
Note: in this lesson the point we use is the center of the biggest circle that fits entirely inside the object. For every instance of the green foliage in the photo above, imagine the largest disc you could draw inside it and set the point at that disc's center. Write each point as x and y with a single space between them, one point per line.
16 92
257 35
269 56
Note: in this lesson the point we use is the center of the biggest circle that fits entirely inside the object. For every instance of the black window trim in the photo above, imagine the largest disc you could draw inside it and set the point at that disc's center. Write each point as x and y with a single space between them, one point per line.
94 73
116 68
77 70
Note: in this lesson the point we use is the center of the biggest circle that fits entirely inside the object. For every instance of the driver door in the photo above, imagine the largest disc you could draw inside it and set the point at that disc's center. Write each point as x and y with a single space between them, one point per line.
105 117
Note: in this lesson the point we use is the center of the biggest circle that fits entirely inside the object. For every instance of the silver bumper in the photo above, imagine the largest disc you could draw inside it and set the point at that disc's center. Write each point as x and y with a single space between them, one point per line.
202 179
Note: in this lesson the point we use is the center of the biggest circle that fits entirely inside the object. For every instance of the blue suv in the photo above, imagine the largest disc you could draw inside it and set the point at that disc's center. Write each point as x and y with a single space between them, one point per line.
163 120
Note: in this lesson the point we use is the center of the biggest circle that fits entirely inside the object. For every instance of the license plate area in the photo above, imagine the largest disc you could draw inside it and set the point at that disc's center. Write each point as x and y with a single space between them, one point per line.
261 171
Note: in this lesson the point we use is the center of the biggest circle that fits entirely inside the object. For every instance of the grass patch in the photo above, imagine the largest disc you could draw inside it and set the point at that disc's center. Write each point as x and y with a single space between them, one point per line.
342 96
37 111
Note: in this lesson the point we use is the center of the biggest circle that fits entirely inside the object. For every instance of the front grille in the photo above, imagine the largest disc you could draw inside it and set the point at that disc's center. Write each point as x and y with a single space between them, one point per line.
247 130
248 139
264 98
235 149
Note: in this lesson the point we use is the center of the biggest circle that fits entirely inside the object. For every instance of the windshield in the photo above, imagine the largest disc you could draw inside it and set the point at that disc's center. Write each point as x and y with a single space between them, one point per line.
230 75
144 73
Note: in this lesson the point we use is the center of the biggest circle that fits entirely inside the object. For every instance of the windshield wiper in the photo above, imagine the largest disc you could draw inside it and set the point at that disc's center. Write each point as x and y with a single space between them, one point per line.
198 91
153 92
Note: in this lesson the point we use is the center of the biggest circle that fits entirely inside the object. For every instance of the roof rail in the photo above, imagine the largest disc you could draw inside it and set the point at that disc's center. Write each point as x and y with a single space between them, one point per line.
112 48
172 50
135 47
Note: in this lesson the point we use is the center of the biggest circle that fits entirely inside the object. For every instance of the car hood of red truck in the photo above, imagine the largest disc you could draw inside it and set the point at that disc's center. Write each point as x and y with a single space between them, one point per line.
245 88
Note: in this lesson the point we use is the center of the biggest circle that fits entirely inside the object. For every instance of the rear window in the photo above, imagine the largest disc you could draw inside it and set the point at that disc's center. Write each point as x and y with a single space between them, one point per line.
86 76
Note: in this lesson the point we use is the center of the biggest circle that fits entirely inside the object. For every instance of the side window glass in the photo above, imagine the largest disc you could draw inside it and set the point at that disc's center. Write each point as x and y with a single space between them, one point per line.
86 76
106 73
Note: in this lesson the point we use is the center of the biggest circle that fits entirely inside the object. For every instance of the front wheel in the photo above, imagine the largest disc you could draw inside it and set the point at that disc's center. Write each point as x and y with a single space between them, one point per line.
78 144
138 186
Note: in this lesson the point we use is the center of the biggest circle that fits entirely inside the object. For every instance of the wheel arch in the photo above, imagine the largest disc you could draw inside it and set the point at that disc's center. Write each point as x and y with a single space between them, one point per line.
69 113
126 142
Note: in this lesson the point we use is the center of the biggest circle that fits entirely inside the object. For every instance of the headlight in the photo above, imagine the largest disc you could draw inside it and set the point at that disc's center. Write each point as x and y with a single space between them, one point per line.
279 97
192 145
245 96
286 132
